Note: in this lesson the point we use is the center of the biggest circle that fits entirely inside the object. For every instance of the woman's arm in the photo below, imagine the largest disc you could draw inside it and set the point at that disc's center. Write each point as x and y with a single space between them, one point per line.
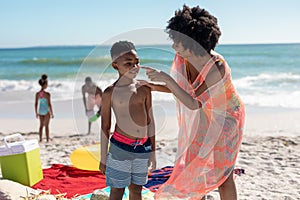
171 84
155 87
182 95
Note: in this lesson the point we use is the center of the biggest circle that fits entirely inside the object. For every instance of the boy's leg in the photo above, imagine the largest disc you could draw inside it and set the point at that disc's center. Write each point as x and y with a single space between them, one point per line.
116 193
117 172
135 192
42 120
139 178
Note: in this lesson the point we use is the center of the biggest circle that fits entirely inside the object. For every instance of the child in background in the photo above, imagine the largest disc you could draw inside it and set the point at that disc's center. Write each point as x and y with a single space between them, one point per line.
43 107
132 145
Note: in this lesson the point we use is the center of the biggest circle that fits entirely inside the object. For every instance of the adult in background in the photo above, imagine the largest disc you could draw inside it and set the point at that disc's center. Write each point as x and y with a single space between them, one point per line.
92 96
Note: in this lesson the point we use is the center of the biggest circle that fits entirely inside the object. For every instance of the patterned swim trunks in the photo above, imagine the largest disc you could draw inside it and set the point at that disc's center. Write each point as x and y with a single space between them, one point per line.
127 163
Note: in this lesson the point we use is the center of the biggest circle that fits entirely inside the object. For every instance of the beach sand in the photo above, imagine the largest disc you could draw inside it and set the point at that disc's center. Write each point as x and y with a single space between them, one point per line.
269 153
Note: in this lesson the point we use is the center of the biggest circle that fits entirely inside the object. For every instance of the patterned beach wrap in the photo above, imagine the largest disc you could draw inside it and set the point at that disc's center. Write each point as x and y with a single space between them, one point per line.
209 137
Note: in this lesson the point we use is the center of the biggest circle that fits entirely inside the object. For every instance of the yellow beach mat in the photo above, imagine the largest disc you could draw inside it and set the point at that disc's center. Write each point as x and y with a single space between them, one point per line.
86 157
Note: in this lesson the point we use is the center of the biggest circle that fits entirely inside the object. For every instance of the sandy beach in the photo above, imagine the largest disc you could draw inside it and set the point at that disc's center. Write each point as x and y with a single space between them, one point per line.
269 152
252 48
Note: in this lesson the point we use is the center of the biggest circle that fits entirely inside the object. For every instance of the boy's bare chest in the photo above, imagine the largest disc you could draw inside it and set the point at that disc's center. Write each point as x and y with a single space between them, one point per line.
127 97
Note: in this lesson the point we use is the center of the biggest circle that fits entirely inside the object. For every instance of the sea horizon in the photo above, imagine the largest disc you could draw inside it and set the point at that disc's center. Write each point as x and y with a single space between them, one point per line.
266 75
158 44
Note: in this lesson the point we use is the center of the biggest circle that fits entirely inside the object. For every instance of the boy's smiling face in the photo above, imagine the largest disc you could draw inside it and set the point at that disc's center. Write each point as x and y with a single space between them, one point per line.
127 64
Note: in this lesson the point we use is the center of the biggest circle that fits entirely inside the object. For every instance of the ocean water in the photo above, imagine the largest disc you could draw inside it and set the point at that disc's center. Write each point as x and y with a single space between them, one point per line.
264 74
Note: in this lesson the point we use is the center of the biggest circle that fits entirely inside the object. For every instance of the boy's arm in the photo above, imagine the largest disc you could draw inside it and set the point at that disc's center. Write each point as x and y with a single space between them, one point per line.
151 128
105 126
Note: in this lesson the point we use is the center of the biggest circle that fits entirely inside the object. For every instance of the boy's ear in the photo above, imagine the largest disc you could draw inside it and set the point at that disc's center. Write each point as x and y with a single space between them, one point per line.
115 66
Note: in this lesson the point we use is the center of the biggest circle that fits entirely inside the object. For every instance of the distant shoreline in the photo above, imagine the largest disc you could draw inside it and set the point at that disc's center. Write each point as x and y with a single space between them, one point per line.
138 45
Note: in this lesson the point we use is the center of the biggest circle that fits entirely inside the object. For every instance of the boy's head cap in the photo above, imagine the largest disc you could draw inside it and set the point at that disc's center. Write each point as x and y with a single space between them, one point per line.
120 48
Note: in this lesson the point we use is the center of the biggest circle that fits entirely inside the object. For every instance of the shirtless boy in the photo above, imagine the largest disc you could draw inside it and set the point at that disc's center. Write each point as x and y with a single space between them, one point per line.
132 144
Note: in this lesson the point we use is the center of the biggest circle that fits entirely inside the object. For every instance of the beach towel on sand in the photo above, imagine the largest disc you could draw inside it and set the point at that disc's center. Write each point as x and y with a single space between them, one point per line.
146 194
158 177
75 182
82 183
66 179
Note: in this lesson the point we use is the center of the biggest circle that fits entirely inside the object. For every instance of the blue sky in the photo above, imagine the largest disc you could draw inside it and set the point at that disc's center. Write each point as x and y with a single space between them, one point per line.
91 22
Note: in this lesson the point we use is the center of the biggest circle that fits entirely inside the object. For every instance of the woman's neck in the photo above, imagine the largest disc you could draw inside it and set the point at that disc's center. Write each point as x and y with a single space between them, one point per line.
195 65
198 62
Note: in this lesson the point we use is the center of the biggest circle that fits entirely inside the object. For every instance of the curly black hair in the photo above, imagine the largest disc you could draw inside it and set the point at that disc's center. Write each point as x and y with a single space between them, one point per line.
121 47
195 24
43 80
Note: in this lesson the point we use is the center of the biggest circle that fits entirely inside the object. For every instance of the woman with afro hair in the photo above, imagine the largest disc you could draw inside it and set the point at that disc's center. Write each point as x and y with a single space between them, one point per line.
210 111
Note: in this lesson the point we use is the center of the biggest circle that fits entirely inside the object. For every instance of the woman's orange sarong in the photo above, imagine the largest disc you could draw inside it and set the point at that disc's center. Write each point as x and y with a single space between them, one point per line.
209 137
